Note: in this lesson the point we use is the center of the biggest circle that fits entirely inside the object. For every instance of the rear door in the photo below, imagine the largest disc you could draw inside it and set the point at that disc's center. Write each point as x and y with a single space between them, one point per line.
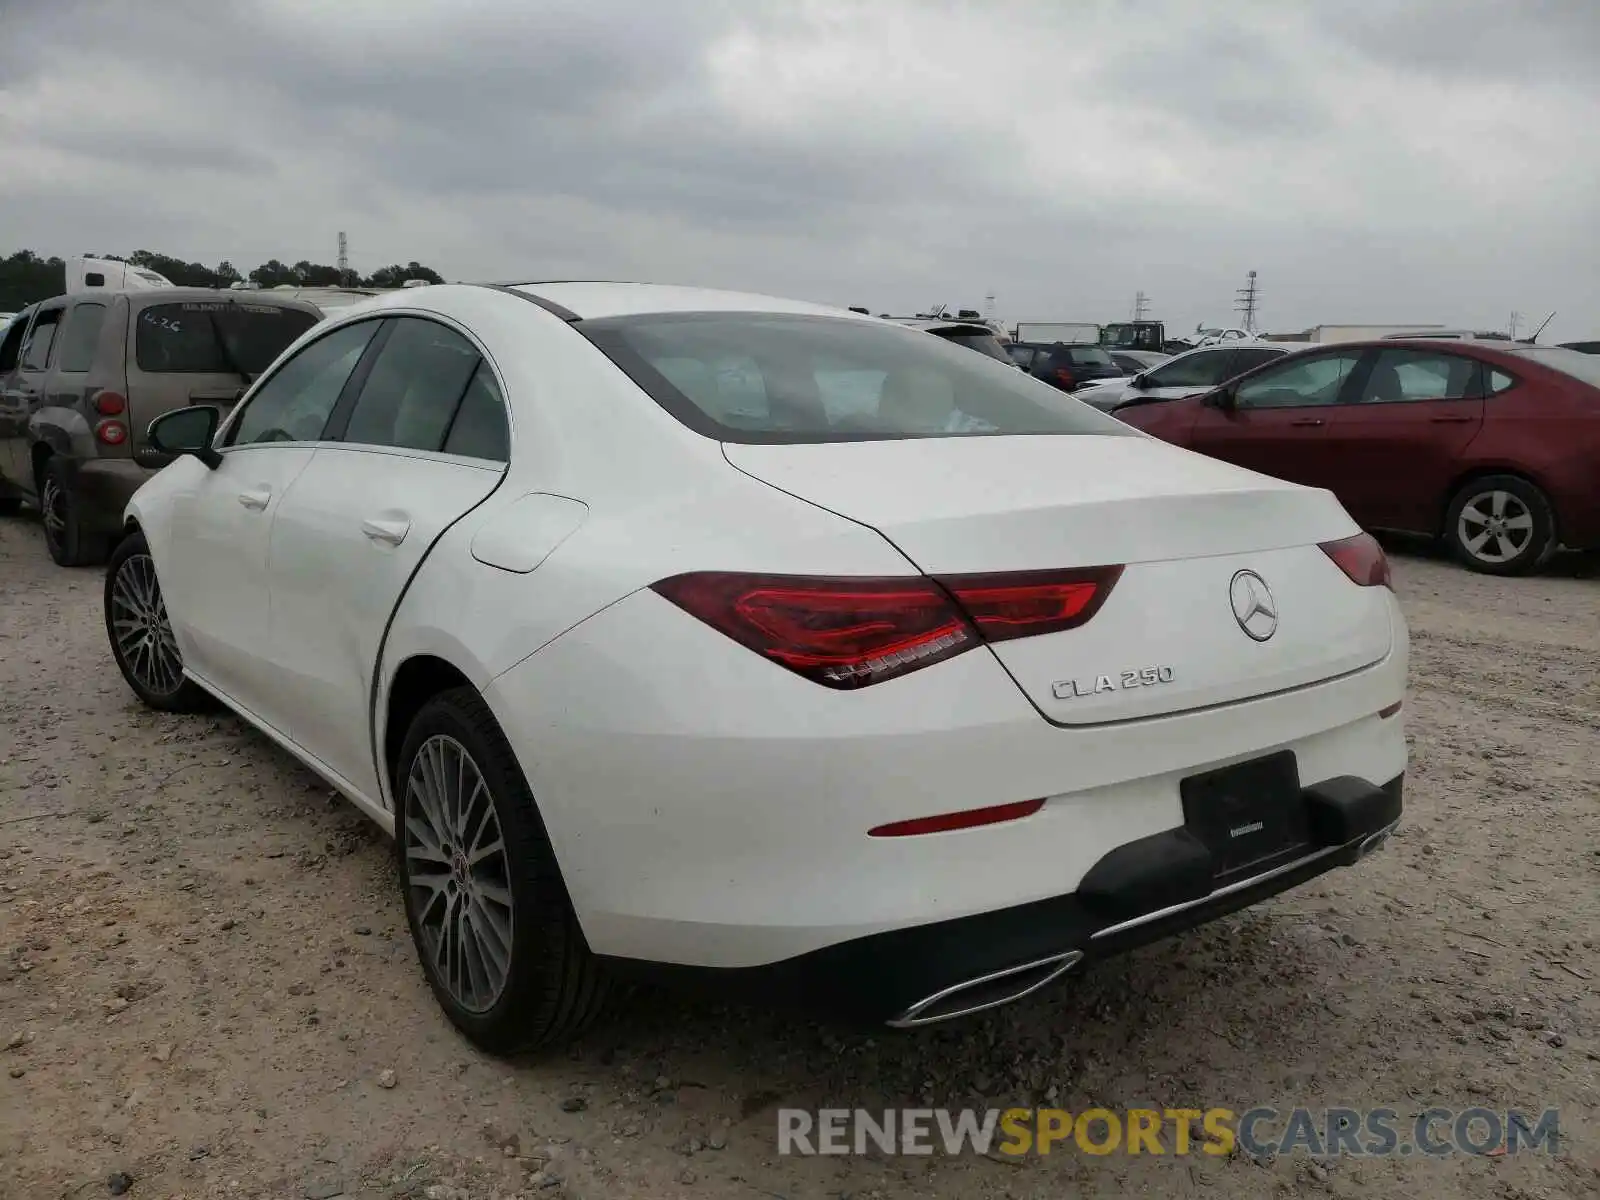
1414 414
79 338
423 441
1279 419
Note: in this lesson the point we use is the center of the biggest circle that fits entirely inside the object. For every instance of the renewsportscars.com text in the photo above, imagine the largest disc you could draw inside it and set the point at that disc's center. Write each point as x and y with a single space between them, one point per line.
1260 1131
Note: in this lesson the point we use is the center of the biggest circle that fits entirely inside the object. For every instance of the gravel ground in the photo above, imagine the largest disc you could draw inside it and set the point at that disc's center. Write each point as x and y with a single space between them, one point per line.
205 971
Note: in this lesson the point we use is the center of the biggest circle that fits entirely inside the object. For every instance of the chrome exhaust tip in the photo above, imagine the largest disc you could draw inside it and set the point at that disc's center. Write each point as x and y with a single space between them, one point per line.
987 991
1375 841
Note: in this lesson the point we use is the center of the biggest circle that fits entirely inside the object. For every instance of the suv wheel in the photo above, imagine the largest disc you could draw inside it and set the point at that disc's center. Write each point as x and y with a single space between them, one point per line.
141 635
64 535
1500 525
489 913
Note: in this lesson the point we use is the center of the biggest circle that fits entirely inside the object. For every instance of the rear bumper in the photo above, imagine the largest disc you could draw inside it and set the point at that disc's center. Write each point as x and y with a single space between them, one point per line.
1134 895
102 487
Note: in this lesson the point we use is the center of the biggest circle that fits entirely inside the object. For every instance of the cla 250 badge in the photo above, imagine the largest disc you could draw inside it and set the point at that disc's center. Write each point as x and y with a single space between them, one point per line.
1077 689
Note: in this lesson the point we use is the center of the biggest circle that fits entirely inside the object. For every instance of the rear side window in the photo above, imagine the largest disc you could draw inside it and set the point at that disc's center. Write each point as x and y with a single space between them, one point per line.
778 378
415 387
215 337
1398 376
81 336
295 404
479 429
36 351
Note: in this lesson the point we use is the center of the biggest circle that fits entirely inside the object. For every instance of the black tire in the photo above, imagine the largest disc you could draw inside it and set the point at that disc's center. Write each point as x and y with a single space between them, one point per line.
64 536
1500 525
137 651
553 987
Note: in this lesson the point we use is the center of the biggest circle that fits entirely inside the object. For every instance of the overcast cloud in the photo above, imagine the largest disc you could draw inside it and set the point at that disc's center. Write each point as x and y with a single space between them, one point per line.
1374 160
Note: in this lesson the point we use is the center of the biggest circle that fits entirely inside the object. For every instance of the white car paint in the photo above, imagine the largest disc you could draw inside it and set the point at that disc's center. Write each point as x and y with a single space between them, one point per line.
1186 374
706 806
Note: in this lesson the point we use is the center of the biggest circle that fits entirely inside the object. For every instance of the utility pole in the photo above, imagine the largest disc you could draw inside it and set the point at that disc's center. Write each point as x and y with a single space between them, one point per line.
1516 320
1248 298
1141 305
344 258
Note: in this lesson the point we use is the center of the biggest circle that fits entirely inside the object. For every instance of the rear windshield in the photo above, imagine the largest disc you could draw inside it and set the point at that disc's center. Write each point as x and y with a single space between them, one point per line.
1585 367
1089 356
215 337
778 378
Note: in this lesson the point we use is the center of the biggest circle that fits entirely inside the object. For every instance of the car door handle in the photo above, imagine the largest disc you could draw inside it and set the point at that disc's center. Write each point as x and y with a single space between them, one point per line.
1307 421
255 498
392 532
1453 420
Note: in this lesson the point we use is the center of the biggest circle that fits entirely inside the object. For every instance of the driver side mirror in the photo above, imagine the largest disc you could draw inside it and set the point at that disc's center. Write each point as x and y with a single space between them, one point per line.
188 431
1138 381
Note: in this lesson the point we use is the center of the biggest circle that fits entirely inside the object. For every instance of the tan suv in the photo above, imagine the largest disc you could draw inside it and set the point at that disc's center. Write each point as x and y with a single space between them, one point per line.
82 377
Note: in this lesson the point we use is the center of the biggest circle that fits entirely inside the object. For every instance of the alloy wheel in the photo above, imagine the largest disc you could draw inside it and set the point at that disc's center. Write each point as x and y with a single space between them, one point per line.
53 509
459 874
139 623
1495 527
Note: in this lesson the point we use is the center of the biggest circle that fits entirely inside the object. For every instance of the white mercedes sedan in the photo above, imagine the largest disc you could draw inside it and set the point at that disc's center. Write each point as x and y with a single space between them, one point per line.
747 643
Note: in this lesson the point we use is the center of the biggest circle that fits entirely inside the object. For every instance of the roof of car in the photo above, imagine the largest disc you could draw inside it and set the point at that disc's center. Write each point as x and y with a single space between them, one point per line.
601 299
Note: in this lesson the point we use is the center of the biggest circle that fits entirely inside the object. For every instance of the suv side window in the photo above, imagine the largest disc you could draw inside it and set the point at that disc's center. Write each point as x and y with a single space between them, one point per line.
1202 369
1401 375
36 351
417 383
11 344
1303 383
80 337
295 403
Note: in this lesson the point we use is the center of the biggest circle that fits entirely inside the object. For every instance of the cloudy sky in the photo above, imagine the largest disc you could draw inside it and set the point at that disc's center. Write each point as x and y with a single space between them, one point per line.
1374 160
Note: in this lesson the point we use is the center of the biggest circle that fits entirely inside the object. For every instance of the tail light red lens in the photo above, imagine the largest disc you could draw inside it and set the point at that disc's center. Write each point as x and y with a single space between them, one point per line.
969 819
110 404
1362 559
1064 377
112 433
843 633
851 632
1027 603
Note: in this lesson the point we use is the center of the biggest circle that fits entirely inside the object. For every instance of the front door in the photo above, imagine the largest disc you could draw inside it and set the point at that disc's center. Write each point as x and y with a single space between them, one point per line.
406 458
1278 419
214 572
1398 444
24 391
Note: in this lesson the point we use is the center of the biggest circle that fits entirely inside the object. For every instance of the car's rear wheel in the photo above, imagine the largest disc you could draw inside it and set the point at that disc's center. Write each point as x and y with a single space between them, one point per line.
489 913
64 536
141 635
1500 525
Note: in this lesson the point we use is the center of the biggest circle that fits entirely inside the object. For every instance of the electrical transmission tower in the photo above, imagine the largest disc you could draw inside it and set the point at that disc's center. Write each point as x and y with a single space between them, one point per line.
344 257
1141 305
1249 298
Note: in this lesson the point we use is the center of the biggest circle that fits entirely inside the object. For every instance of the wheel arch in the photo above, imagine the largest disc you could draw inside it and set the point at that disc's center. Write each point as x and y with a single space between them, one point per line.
418 677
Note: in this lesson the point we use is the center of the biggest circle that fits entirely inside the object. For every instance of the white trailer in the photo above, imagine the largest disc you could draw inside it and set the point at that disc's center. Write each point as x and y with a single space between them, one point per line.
95 274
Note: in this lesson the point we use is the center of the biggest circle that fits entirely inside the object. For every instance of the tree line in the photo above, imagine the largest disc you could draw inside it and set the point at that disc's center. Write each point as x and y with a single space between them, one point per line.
26 277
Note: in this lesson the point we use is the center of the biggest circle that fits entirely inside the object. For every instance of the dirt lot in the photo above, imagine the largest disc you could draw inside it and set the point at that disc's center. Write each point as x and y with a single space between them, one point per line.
205 966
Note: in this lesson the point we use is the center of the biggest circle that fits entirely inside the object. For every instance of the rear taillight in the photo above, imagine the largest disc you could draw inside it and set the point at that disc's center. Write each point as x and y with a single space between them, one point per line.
844 633
110 404
851 632
112 433
969 819
1025 603
1064 377
1362 559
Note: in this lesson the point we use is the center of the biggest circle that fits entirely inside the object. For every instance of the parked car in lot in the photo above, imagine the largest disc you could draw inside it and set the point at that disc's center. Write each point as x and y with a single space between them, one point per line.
1065 365
1492 446
1137 362
688 634
1186 374
974 335
83 375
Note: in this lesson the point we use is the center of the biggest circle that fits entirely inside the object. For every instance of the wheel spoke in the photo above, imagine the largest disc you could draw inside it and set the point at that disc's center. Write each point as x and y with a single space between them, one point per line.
1497 504
1521 522
1475 542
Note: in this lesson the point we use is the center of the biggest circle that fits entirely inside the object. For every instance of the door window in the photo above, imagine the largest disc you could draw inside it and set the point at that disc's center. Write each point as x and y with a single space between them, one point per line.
1203 369
417 382
36 353
1251 357
1398 376
295 403
81 335
11 343
479 429
1303 383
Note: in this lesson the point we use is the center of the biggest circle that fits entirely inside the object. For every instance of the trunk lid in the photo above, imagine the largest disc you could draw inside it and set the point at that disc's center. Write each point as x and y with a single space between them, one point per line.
1183 526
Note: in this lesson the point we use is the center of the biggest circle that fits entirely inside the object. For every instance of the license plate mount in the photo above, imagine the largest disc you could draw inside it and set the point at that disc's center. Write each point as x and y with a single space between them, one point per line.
1250 815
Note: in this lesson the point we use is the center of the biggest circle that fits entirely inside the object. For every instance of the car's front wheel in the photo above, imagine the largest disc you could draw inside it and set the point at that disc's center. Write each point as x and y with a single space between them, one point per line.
140 633
1500 525
488 910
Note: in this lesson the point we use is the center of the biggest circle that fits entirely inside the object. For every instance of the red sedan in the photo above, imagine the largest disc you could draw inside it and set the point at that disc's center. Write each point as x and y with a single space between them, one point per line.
1495 447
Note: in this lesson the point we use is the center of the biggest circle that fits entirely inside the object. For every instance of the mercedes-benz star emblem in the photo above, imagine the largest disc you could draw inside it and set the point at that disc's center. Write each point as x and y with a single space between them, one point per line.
1253 605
